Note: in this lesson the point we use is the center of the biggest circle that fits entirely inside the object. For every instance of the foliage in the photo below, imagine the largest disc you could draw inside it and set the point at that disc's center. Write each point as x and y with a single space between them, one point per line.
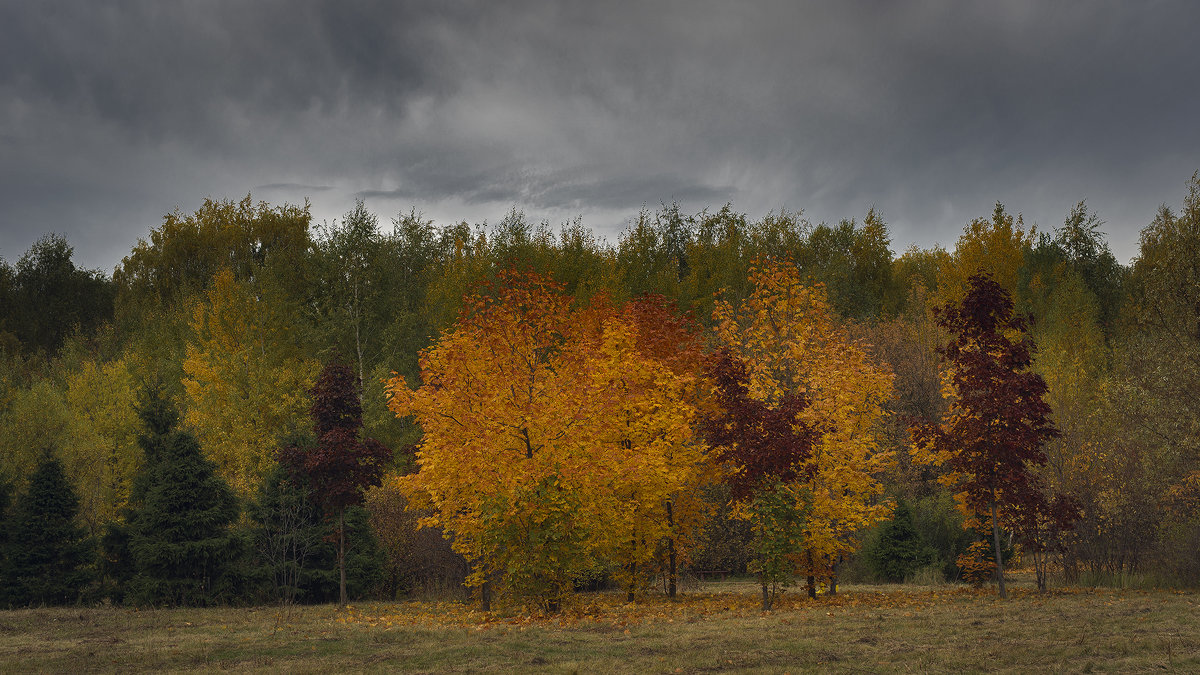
180 527
977 564
899 550
286 534
998 423
338 465
46 557
996 247
552 437
794 349
417 560
245 380
186 252
46 297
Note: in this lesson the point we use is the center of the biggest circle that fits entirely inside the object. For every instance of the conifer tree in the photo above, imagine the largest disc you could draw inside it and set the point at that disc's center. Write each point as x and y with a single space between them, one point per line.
180 537
47 555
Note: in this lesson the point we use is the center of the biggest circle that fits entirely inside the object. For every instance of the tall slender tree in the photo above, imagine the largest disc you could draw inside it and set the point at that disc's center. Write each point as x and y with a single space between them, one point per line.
998 423
339 465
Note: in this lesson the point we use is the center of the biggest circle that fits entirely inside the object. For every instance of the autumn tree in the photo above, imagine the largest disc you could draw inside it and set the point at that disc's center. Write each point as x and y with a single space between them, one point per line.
552 438
995 246
246 379
503 461
994 434
649 364
765 450
793 347
337 465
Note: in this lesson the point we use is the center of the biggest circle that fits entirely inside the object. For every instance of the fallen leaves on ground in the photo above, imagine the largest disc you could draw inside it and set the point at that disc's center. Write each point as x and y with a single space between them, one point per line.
610 611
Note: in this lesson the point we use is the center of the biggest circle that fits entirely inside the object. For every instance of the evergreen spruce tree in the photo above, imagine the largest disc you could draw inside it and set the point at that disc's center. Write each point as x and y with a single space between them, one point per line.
116 566
47 557
181 542
899 551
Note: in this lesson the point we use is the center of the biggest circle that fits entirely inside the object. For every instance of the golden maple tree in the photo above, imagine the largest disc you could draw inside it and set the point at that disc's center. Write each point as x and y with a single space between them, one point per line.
550 440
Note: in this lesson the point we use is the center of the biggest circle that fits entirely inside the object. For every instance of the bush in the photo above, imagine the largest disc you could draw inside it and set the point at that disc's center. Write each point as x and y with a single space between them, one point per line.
939 523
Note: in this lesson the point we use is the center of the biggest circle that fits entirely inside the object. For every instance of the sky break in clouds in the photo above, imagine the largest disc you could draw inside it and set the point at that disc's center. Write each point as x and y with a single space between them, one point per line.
113 114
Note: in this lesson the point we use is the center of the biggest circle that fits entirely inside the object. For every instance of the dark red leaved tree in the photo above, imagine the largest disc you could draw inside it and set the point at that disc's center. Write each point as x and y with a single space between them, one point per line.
765 443
996 431
340 465
765 447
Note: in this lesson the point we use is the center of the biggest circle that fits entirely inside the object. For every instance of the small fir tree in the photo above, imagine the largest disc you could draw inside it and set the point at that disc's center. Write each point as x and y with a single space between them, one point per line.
116 565
48 558
900 550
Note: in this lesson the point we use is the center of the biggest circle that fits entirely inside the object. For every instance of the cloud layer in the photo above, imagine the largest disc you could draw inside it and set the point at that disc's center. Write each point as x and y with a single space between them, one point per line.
113 115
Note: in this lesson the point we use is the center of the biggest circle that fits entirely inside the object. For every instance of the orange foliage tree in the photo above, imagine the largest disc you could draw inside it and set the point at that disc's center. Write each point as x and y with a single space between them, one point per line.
551 439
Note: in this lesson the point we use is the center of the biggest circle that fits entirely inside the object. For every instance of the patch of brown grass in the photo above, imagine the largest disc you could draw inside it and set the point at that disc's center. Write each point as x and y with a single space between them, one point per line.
864 628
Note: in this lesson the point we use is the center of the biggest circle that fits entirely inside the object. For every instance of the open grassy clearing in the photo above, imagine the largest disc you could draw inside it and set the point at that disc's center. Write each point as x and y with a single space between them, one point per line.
718 628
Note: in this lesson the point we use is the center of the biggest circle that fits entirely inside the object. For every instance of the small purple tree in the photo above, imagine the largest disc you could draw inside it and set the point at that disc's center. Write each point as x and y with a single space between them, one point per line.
340 465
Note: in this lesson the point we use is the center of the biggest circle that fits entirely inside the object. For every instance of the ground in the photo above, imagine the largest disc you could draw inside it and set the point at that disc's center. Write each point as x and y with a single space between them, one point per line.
717 627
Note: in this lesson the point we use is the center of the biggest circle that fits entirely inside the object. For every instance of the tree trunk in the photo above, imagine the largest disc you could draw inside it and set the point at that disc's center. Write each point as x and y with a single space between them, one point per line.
672 573
631 568
766 598
999 554
342 556
485 596
812 587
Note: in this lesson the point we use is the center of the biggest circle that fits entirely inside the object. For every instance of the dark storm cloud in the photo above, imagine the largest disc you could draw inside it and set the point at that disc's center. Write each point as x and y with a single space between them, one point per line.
112 115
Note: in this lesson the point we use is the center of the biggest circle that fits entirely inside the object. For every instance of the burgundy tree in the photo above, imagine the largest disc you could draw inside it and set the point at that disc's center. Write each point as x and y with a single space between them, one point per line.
765 448
995 431
340 465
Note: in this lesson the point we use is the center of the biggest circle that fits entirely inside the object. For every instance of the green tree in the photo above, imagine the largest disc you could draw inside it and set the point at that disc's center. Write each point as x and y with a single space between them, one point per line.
180 536
47 557
50 298
899 551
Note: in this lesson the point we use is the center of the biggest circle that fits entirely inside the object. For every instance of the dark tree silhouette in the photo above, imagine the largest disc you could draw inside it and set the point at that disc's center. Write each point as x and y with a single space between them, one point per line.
339 465
180 537
47 557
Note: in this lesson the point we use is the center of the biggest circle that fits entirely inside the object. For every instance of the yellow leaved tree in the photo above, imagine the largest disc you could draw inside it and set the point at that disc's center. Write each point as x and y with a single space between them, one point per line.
246 380
788 337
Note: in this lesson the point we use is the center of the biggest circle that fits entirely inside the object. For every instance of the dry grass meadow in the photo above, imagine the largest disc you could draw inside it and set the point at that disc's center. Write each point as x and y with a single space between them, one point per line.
716 628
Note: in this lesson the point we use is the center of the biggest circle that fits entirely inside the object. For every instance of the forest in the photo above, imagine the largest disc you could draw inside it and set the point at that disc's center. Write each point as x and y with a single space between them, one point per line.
254 408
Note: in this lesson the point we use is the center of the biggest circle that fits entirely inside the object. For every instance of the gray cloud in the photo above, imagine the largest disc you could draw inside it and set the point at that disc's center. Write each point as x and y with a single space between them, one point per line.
113 115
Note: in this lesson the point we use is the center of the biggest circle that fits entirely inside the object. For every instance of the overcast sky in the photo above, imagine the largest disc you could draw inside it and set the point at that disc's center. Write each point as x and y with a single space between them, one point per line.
114 113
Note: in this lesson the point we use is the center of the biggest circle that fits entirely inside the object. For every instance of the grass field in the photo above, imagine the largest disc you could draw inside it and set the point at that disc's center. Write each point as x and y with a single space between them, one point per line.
716 628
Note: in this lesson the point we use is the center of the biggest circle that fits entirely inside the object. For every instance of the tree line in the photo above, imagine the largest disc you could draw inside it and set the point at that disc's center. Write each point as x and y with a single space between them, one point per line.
707 393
